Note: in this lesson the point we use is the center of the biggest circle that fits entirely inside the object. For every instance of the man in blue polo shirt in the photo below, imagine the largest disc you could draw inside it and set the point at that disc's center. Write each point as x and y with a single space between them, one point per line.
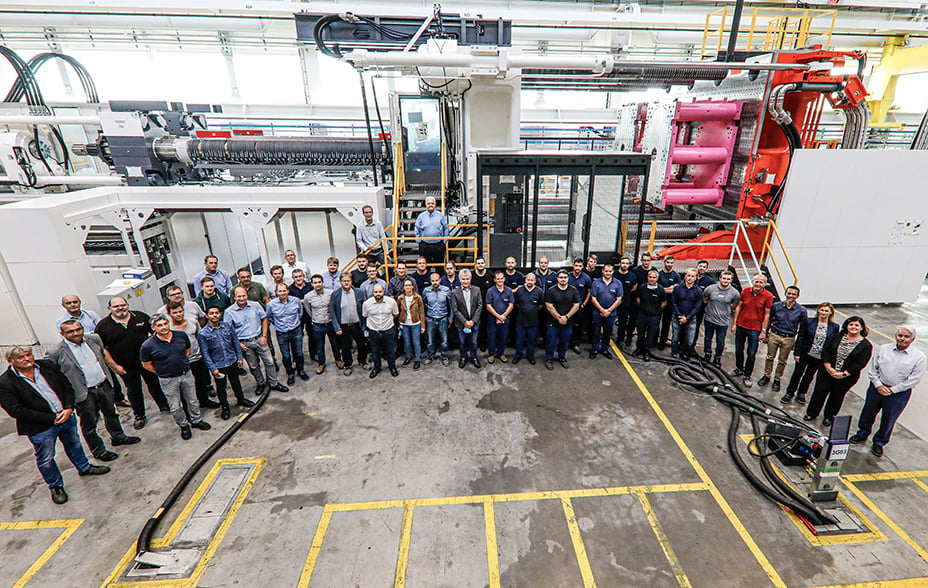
606 296
500 302
437 300
581 282
250 323
166 354
686 300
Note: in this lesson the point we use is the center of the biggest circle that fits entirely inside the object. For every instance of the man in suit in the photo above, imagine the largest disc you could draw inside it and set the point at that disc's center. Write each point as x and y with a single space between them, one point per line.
39 397
467 306
83 361
345 308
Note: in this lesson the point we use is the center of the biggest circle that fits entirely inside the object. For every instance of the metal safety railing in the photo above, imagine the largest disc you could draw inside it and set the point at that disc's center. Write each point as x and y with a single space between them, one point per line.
768 29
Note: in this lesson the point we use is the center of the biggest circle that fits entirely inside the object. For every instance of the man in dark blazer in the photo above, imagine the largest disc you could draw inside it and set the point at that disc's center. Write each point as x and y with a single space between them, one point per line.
346 325
83 361
467 306
39 397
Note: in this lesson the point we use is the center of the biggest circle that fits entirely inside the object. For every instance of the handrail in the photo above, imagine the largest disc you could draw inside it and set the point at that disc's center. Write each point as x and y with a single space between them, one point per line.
772 227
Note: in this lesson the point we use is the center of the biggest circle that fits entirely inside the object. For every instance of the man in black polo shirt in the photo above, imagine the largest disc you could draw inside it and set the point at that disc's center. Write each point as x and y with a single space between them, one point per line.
514 278
483 279
123 333
529 300
668 280
165 354
629 279
562 303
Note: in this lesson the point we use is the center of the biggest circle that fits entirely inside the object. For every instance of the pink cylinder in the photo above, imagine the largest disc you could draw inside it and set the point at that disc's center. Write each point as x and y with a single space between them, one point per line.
686 154
692 195
689 111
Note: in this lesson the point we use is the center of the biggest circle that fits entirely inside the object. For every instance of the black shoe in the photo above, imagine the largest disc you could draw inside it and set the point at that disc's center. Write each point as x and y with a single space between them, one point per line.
407 361
303 376
516 359
564 364
245 403
826 422
106 455
577 349
280 387
877 450
530 360
209 404
416 365
800 399
647 357
164 409
637 353
126 441
593 354
202 425
717 362
462 363
242 371
186 433
475 362
737 372
807 417
59 496
394 373
226 414
607 354
291 380
95 470
374 374
857 439
775 386
549 365
139 423
763 381
260 390
787 398
707 358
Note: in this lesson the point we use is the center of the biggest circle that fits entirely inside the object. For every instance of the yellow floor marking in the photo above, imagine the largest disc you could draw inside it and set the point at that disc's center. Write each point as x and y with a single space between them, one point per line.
586 572
316 547
198 571
900 583
489 520
325 457
402 557
920 484
874 533
885 518
68 527
880 476
672 559
713 490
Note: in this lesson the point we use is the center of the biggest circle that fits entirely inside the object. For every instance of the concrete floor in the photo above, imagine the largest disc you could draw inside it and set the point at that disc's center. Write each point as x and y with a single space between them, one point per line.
604 474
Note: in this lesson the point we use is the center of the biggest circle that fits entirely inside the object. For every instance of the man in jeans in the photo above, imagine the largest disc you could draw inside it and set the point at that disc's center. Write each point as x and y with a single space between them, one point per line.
752 316
529 300
250 323
686 300
39 397
165 353
437 300
786 318
222 355
286 314
719 300
316 303
606 296
562 303
380 313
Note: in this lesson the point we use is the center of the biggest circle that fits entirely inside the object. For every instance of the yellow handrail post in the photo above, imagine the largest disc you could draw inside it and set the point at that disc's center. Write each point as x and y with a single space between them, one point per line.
651 240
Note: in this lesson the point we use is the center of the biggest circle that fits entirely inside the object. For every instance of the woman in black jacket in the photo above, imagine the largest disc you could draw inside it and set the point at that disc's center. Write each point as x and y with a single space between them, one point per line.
808 351
843 358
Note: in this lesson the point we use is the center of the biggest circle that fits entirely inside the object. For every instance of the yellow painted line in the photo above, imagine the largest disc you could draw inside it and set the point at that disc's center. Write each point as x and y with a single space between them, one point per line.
889 522
325 457
68 528
198 571
379 505
489 520
402 557
316 547
712 488
879 476
900 583
586 572
664 542
920 484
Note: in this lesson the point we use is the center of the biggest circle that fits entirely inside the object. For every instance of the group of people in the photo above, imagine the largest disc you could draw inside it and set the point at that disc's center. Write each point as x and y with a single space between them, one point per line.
190 351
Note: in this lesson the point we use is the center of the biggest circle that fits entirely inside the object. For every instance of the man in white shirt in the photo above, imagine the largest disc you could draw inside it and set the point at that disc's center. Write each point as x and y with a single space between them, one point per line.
380 311
895 369
291 264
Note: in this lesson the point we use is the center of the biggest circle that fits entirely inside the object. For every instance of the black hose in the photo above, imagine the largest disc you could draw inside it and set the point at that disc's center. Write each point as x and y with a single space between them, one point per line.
383 132
318 29
148 531
37 61
24 76
367 119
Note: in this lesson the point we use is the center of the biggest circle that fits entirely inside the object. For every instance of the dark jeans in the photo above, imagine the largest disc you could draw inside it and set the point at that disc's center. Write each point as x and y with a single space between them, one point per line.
745 337
892 406
581 324
666 319
647 332
632 321
559 339
803 374
383 346
349 332
469 341
432 251
525 340
320 333
624 326
133 381
99 399
44 445
231 376
496 336
717 331
684 337
201 379
437 331
291 349
602 330
828 392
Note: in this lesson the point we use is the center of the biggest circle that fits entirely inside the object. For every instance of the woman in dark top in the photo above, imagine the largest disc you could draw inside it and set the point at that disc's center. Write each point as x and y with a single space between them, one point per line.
843 357
808 351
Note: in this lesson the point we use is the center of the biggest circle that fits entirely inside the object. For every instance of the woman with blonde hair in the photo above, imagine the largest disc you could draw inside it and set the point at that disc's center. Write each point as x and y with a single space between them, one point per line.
808 351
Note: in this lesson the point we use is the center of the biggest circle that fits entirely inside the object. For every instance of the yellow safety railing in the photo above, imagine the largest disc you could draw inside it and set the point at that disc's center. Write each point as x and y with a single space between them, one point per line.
767 250
776 28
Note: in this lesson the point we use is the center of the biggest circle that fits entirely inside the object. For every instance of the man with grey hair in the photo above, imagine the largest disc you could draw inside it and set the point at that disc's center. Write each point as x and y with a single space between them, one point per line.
166 353
431 223
39 397
752 318
250 323
896 368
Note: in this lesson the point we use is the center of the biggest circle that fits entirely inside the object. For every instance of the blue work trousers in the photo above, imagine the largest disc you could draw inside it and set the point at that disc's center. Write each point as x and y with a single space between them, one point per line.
602 330
525 340
558 339
496 336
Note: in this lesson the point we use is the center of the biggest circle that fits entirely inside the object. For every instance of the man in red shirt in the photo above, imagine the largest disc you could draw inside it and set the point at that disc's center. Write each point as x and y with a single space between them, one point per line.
752 317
